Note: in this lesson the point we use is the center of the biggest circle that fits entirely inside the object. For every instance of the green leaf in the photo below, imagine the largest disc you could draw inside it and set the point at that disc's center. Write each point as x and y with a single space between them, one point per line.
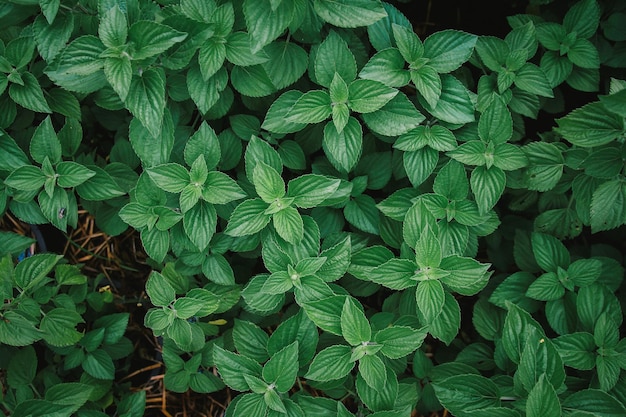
151 38
99 365
11 155
30 272
199 223
451 181
252 405
326 313
79 67
259 150
582 18
372 369
268 183
361 212
590 126
330 364
29 95
26 178
250 340
344 148
430 297
119 73
607 206
219 188
22 368
577 350
275 117
159 290
71 174
203 142
152 150
15 330
252 81
282 368
296 328
248 218
113 28
146 99
69 393
387 67
549 252
465 275
312 107
584 54
366 96
51 37
58 327
399 341
239 50
233 368
286 63
288 223
45 144
454 105
447 50
428 83
420 164
488 186
446 325
310 190
532 79
509 157
265 22
542 400
350 13
546 288
395 118
205 93
355 327
463 393
334 56
495 124
545 165
594 402
169 177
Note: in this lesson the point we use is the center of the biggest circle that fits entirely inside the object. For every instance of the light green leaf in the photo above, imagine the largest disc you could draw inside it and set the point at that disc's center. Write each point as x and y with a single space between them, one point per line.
282 368
366 96
29 95
239 50
118 72
463 393
26 178
591 125
396 117
205 93
45 144
266 23
399 341
428 83
233 368
288 223
594 402
550 253
312 107
151 38
58 327
170 177
310 190
373 371
387 67
532 79
15 330
268 183
488 186
199 223
448 49
286 63
330 364
248 218
350 13
113 28
542 400
343 149
420 164
583 18
430 297
454 105
355 327
334 56
219 188
146 99
495 124
446 325
275 117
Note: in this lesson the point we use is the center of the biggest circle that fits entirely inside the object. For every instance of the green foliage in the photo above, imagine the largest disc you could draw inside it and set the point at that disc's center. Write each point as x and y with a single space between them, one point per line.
331 201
